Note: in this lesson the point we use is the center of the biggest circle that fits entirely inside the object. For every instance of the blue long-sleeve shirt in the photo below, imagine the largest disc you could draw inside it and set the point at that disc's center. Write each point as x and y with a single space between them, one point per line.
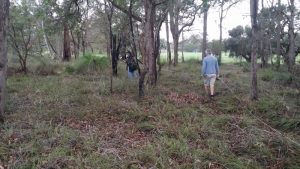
210 65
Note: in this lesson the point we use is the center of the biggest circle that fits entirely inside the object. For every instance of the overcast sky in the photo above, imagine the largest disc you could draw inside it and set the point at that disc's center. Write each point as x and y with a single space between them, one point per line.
237 15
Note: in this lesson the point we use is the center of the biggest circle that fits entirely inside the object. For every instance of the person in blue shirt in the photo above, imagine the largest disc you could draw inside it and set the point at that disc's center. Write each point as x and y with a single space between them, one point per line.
210 71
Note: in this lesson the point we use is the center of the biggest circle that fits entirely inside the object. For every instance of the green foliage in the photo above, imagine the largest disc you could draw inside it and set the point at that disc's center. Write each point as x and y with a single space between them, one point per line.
280 78
192 44
87 64
238 44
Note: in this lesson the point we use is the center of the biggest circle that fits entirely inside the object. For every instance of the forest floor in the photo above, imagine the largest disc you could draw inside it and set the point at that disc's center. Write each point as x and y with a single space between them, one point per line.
72 121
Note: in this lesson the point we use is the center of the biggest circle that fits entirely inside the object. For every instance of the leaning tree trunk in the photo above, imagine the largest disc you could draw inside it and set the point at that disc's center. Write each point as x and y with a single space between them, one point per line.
291 51
67 48
204 45
253 12
4 8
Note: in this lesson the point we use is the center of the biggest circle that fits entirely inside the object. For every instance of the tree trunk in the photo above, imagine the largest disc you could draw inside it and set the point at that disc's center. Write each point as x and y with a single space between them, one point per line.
75 46
175 42
147 47
174 25
169 57
291 32
150 43
115 54
253 12
204 45
262 50
182 46
278 32
4 8
67 48
83 43
221 32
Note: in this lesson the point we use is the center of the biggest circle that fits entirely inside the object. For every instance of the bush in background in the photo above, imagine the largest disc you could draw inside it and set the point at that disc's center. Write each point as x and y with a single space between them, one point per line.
87 64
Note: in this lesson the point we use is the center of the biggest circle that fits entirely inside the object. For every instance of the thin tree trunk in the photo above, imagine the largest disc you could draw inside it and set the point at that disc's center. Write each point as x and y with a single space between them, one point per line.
221 32
67 48
174 25
83 43
76 50
278 32
253 12
204 45
46 41
4 8
182 46
169 55
291 32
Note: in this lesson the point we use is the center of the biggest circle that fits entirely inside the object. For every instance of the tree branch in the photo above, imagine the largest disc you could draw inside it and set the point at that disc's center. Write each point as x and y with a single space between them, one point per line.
134 16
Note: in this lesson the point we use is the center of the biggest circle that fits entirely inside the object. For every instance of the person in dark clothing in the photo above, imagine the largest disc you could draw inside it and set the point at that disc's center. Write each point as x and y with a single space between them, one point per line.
131 65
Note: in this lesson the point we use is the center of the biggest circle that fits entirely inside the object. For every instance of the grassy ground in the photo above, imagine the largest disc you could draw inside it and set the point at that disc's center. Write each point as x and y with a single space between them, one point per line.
72 121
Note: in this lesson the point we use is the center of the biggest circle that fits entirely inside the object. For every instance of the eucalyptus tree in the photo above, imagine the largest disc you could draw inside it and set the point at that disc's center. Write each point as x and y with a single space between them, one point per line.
23 31
182 15
147 37
64 16
4 8
204 34
291 33
254 47
169 55
224 5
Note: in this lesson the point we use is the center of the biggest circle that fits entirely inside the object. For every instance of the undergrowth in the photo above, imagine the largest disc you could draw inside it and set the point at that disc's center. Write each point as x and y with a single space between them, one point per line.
73 121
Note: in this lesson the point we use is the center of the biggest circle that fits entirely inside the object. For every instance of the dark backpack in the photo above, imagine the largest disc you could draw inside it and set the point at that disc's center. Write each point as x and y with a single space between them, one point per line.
132 64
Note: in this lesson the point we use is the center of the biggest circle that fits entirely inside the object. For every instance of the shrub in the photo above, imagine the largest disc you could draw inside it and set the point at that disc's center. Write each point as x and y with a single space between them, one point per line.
267 76
46 69
245 67
87 64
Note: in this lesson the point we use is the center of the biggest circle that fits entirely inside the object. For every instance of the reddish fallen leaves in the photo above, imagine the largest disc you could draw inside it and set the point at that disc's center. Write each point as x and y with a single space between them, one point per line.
189 98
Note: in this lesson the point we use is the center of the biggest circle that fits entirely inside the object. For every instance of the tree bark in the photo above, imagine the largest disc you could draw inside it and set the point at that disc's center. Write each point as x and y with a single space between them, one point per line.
4 9
115 51
75 45
204 43
182 46
291 32
149 40
253 12
221 32
147 46
278 32
175 42
169 55
67 48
